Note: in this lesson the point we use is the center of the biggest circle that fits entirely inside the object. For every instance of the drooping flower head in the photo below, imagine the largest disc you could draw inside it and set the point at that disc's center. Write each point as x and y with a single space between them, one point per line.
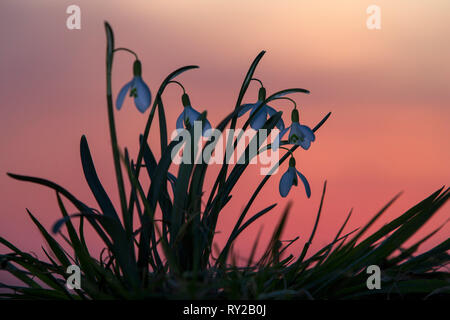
262 114
189 115
289 178
299 134
137 89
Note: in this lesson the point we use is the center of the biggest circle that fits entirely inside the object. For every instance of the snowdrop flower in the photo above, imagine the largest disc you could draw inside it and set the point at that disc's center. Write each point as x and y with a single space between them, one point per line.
137 89
289 178
261 116
299 134
187 118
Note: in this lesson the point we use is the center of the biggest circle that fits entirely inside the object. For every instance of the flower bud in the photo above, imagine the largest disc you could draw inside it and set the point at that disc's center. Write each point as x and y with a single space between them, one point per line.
294 115
137 68
292 162
262 94
185 100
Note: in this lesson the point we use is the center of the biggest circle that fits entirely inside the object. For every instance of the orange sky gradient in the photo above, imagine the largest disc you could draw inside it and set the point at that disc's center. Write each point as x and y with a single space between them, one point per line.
388 90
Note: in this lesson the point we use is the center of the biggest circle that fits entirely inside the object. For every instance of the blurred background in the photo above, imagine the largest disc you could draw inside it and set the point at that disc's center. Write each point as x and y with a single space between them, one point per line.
388 90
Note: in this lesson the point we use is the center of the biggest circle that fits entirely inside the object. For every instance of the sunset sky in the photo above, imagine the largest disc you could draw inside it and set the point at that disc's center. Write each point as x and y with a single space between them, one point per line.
388 91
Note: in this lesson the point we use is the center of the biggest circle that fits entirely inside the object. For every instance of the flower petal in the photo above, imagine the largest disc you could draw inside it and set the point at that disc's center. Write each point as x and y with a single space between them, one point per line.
295 133
308 133
286 182
305 183
143 98
297 136
191 114
122 94
255 107
276 143
180 121
271 111
259 119
245 108
305 144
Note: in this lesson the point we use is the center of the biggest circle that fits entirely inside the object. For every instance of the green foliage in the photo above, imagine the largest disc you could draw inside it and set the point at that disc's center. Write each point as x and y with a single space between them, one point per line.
173 257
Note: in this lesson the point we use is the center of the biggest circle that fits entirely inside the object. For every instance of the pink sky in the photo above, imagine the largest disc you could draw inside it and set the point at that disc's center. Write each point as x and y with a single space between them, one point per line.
388 90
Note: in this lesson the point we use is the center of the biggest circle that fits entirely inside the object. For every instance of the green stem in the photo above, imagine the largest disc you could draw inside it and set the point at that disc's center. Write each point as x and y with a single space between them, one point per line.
256 79
112 130
286 98
127 50
288 150
178 83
